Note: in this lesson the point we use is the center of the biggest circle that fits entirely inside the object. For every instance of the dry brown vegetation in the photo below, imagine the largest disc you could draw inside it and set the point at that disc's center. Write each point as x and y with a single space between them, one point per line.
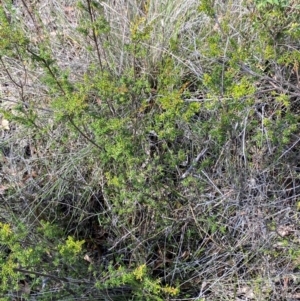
163 133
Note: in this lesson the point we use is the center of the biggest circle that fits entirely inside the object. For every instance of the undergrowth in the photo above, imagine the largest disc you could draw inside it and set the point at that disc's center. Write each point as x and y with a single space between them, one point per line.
149 150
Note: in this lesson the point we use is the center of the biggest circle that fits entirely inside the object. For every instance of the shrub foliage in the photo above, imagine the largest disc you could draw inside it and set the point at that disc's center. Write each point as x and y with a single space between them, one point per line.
149 150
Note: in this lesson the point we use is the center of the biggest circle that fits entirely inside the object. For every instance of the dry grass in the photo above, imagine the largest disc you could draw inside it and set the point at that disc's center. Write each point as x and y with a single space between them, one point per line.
229 231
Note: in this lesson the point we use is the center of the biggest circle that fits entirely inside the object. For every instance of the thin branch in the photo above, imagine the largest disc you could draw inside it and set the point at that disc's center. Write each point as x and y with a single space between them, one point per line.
94 34
47 66
56 278
82 133
190 169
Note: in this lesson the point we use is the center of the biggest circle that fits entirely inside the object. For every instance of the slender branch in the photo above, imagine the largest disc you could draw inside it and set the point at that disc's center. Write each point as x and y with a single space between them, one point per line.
47 66
192 166
94 34
67 281
82 133
30 12
8 74
56 278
